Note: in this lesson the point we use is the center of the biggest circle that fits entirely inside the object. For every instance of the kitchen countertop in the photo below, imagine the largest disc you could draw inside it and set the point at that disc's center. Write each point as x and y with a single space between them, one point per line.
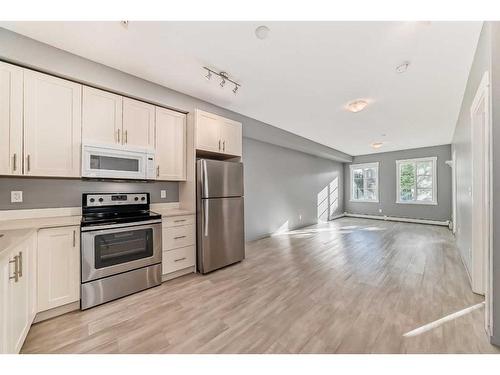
11 238
40 222
170 212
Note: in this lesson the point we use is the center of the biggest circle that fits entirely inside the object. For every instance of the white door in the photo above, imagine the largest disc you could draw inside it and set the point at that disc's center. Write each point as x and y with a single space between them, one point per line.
481 193
52 126
58 267
208 127
138 123
170 145
20 303
231 137
101 116
11 119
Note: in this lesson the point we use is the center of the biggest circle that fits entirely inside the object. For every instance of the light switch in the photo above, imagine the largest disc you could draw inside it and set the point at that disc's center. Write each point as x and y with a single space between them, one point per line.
16 196
163 193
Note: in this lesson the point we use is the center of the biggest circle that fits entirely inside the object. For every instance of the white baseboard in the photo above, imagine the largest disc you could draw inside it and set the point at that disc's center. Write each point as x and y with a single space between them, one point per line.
337 217
445 223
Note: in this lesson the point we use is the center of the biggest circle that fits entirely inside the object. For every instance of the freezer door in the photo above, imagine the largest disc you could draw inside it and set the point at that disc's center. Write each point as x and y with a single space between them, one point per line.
220 233
219 178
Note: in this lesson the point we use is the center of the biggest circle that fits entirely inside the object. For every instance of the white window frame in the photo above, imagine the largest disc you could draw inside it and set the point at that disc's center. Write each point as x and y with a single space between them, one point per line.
433 159
363 166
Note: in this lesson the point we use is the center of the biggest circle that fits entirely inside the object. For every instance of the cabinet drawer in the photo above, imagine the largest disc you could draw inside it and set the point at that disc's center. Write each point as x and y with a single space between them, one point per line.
176 221
178 259
175 237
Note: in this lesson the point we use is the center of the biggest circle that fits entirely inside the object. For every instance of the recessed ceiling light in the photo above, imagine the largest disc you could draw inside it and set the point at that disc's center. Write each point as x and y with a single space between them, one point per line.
124 24
356 105
403 67
262 32
376 145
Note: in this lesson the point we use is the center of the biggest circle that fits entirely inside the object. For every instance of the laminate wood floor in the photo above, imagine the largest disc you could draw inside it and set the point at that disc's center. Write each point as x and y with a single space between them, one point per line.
348 286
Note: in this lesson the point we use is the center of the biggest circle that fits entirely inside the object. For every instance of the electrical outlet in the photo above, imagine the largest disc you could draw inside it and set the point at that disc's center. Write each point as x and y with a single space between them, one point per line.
16 196
163 193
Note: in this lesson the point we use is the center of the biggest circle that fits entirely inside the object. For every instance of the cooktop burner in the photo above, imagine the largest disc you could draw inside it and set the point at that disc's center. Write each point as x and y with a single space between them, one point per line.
112 208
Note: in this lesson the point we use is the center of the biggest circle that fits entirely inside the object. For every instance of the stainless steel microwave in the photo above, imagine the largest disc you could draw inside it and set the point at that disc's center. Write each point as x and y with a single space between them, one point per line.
110 161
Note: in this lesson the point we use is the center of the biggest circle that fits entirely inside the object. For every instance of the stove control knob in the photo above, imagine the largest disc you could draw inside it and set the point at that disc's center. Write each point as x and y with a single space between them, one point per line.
143 198
136 198
92 200
100 199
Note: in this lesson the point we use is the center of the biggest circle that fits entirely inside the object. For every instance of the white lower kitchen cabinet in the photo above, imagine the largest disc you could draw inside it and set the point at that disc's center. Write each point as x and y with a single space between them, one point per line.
178 244
17 300
58 267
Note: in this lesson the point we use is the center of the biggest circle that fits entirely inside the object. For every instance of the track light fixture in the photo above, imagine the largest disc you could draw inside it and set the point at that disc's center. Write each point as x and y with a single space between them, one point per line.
223 77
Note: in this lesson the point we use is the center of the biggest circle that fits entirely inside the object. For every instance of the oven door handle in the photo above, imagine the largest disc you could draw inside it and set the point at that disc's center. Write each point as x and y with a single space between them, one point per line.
121 225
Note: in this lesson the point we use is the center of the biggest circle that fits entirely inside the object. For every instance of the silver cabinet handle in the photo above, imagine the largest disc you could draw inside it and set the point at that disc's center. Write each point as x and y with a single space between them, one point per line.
14 162
224 146
118 135
20 263
179 221
16 269
74 238
126 136
158 171
219 144
28 162
179 237
178 260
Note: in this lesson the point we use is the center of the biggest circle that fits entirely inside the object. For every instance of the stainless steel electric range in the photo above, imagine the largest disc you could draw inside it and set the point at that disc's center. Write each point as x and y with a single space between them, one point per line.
120 246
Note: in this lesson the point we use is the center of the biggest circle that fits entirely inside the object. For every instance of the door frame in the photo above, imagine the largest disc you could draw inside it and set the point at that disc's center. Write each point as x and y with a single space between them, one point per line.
454 190
482 234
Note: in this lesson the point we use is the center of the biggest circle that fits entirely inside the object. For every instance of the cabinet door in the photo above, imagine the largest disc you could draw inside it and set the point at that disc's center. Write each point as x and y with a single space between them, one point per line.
208 132
58 267
52 126
138 123
11 119
19 314
170 145
101 116
231 137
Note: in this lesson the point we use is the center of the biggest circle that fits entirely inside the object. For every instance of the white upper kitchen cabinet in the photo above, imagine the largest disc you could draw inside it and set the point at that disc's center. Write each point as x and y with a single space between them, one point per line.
218 134
138 124
101 116
52 126
231 137
170 145
11 119
58 267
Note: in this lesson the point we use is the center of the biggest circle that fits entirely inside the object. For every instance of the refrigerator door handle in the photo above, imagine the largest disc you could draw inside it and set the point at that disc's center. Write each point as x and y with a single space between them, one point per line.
205 177
205 221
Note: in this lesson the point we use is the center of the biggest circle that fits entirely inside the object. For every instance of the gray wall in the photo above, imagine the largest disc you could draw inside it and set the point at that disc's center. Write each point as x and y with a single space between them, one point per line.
56 192
305 173
461 145
387 185
282 186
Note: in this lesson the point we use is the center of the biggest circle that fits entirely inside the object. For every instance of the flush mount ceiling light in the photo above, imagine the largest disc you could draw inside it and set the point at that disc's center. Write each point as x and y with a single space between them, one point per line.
403 67
124 24
376 145
356 105
224 77
262 32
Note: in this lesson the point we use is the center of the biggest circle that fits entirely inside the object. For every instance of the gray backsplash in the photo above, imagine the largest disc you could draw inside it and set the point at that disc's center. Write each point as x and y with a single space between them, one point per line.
59 192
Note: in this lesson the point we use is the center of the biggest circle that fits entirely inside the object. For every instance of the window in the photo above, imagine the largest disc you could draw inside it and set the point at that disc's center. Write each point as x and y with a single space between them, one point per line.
364 182
416 181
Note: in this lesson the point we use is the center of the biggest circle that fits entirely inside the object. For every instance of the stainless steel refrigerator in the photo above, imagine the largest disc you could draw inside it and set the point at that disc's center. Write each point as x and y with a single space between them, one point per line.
219 214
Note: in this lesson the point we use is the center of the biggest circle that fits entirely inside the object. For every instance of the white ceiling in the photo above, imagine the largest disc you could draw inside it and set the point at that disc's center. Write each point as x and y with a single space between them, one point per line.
300 78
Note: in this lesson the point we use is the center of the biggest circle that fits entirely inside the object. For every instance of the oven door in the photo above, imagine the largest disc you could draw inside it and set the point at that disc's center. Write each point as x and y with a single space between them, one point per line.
108 162
111 251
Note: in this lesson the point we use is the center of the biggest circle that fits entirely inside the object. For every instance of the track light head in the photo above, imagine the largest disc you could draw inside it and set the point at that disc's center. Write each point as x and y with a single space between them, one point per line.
222 82
235 90
209 75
